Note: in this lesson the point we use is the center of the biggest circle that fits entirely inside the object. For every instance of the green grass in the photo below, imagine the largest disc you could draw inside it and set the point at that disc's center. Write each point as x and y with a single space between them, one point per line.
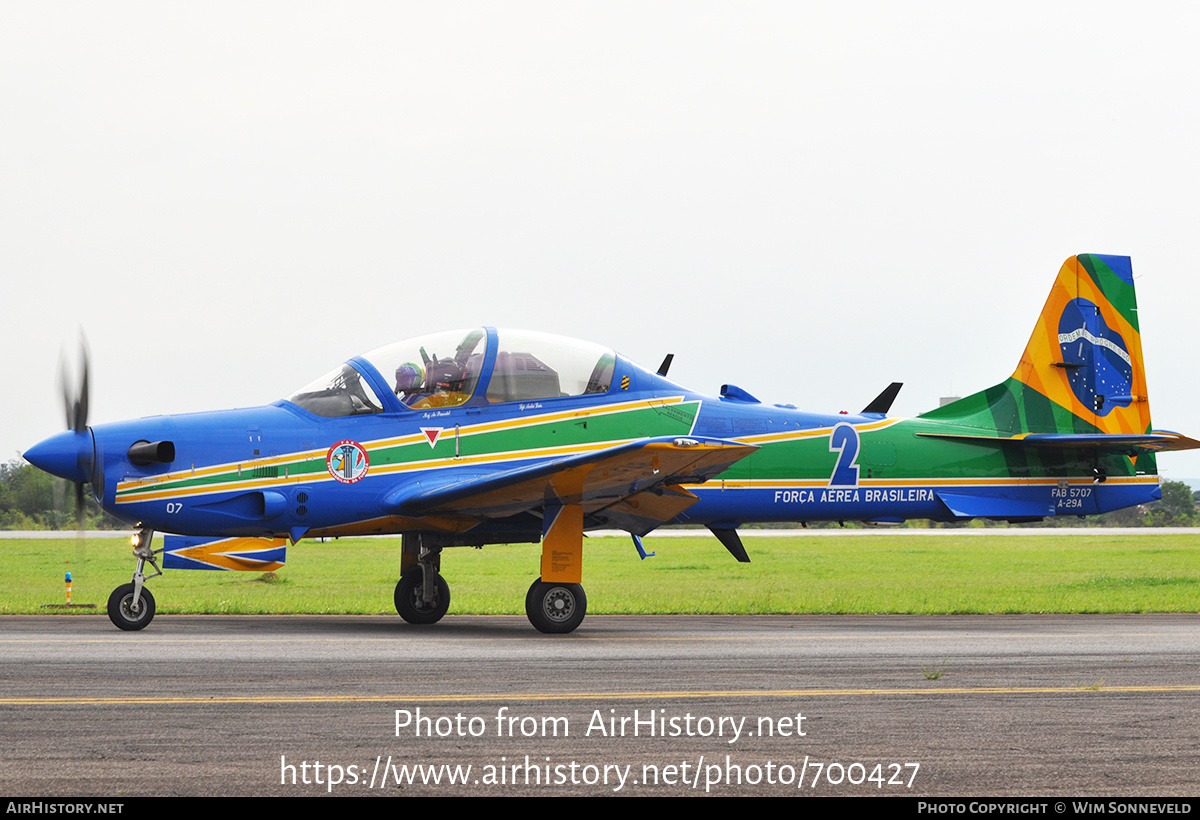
934 672
874 574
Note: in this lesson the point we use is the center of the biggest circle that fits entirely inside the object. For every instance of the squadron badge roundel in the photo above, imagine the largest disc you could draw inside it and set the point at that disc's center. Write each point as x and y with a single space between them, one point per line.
347 461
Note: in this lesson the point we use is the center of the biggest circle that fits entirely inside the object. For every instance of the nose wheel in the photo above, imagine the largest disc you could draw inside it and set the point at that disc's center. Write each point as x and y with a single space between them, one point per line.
128 612
131 606
555 608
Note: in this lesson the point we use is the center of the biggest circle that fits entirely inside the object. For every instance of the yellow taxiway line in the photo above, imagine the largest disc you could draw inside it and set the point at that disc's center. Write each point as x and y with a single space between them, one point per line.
160 700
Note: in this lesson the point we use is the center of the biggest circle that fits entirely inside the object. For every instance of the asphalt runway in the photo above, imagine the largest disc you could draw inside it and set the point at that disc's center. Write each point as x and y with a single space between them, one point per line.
827 705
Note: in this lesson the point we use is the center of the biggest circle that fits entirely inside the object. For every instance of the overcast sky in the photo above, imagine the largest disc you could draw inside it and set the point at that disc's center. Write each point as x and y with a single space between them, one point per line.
809 200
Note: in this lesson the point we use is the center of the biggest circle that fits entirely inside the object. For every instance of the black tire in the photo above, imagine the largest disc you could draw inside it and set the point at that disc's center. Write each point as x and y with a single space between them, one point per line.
555 608
120 609
409 603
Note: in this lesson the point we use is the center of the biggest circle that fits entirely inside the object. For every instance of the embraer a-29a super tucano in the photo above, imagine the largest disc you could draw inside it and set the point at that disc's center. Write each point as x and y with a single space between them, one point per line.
490 436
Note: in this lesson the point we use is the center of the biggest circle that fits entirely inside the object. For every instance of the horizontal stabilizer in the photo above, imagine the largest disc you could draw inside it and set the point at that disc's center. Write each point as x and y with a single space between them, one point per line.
1156 441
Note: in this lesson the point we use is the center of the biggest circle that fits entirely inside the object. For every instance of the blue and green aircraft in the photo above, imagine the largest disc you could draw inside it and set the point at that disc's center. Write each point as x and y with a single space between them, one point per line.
485 436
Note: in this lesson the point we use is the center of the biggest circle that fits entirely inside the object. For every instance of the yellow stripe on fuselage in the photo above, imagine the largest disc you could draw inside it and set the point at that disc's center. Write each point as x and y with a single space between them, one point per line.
812 432
125 488
786 483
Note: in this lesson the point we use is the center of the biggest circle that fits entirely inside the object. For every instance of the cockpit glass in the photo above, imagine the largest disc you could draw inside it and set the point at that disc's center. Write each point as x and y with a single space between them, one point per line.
439 370
443 370
532 365
341 392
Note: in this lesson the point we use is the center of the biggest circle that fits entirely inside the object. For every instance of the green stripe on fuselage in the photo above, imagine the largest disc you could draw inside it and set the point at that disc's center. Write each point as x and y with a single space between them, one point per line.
589 428
897 452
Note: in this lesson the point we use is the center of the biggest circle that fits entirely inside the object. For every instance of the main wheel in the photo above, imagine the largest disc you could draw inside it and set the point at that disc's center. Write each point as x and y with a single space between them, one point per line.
124 614
555 608
409 603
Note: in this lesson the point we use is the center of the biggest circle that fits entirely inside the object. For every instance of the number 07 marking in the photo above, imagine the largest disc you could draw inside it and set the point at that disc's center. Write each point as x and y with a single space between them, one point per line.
844 441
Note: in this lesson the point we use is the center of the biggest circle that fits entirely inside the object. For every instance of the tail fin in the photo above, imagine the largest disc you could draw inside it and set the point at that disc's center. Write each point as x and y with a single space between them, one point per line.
1085 354
1081 372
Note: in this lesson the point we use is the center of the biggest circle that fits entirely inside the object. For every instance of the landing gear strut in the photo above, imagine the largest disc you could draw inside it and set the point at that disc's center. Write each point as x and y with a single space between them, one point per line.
423 596
555 608
131 607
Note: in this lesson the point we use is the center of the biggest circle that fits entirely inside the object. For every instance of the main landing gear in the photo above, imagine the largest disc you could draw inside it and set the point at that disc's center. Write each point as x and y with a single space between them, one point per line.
131 606
421 602
555 608
423 596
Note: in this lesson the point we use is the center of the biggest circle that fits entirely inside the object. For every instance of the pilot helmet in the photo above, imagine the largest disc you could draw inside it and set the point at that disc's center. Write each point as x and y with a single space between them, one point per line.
409 376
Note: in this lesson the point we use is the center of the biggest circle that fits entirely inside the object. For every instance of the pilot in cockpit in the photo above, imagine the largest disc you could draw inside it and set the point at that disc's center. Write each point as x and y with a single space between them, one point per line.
410 377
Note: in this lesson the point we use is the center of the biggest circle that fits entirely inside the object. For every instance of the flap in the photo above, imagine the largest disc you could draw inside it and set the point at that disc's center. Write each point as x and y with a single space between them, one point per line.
593 480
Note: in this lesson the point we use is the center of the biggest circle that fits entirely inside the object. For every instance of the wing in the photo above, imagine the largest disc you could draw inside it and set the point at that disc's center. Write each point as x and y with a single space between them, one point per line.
633 486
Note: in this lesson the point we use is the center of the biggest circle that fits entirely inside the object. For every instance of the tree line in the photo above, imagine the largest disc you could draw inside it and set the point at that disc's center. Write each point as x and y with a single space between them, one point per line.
34 500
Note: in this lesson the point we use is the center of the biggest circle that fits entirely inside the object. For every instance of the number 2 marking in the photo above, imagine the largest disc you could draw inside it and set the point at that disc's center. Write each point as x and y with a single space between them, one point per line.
844 441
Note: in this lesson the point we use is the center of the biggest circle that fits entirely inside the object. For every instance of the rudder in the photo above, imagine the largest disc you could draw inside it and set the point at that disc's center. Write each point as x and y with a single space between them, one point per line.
1081 372
1085 354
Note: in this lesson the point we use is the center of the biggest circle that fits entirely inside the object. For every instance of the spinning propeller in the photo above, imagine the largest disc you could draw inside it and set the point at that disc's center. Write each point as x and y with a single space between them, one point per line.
72 455
76 410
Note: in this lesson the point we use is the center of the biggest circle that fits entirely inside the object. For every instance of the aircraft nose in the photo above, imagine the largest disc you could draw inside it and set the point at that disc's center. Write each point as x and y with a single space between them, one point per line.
67 455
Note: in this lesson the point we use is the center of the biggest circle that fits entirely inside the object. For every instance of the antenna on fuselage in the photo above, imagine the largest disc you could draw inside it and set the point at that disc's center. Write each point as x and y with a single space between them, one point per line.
883 402
666 365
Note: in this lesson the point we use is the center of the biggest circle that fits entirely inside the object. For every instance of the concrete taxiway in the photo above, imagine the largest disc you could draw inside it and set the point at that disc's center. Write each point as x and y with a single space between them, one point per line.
889 705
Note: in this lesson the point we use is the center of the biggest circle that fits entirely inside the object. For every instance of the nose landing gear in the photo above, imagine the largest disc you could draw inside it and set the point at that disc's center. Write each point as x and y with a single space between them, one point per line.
131 606
128 610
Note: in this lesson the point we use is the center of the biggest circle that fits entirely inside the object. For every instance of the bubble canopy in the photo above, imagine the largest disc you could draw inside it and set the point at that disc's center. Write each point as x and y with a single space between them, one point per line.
452 368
